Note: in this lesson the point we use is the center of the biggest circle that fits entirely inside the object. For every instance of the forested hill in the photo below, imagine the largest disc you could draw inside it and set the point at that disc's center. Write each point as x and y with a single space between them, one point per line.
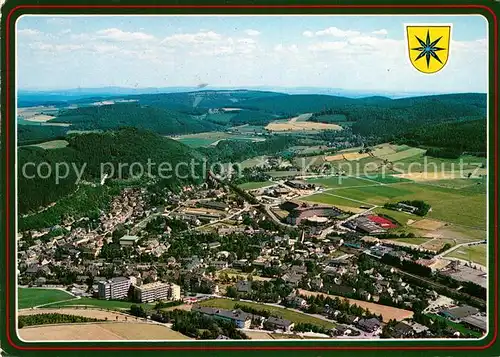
185 113
124 146
159 120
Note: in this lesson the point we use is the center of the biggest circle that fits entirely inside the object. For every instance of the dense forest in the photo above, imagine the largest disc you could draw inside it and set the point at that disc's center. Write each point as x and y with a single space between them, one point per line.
109 149
52 318
458 137
34 134
252 118
159 120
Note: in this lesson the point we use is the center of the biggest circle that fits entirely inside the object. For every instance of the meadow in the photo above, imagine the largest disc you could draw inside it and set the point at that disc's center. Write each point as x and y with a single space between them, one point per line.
31 297
460 207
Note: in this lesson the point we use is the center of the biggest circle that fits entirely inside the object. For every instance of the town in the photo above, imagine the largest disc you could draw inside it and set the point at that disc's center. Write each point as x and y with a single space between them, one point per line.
253 264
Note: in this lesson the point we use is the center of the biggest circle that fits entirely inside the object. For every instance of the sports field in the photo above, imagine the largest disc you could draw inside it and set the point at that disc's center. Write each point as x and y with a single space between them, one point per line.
473 253
31 297
288 314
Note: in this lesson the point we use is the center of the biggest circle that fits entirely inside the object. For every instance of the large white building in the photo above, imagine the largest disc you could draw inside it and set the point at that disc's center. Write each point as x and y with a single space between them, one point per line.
114 289
157 291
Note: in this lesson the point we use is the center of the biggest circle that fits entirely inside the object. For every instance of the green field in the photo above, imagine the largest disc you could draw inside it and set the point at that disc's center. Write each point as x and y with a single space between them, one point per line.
296 317
197 142
104 304
210 138
383 178
401 217
473 185
404 154
220 118
339 182
255 185
474 253
328 199
438 164
31 297
460 207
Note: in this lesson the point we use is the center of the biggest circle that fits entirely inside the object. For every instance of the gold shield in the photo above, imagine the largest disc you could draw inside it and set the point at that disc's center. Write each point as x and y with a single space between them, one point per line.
428 47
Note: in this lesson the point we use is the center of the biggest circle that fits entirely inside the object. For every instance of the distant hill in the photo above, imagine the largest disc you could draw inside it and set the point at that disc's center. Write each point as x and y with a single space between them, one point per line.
183 113
159 120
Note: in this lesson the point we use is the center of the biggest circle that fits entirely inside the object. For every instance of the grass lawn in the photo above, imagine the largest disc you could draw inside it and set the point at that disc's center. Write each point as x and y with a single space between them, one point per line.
255 185
339 181
459 327
31 297
104 304
296 317
416 241
474 253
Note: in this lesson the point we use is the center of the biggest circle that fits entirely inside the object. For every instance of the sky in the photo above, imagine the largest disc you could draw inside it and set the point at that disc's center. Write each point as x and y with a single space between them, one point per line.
346 52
